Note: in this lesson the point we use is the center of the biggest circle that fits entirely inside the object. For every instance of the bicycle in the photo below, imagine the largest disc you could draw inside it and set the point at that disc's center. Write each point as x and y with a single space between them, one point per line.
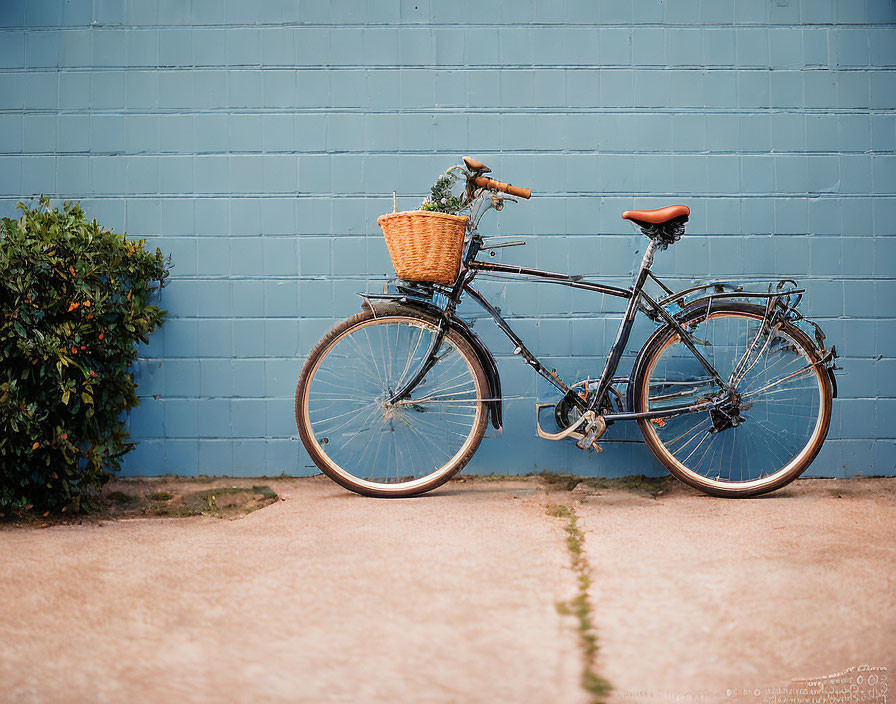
730 392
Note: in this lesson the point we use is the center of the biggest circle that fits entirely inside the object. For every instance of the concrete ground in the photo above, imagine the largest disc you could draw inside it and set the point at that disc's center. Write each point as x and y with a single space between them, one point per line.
452 597
704 599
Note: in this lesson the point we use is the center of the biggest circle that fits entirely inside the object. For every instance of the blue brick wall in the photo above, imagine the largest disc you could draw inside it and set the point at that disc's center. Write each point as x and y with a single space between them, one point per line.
258 140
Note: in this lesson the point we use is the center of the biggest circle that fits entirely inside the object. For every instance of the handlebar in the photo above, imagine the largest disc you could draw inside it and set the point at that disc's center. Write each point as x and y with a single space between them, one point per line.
485 182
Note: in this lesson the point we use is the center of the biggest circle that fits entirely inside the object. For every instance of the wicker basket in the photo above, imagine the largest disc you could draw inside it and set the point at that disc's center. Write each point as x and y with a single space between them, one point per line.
424 246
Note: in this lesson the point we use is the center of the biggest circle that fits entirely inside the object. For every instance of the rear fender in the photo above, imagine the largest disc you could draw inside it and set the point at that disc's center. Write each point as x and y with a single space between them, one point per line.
388 306
692 309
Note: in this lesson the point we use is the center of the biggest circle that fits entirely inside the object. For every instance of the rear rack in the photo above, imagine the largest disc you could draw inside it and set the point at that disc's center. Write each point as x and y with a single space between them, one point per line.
786 291
781 297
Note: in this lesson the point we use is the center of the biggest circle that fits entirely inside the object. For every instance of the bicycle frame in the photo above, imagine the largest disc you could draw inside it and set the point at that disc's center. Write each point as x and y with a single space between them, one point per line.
396 399
636 297
638 300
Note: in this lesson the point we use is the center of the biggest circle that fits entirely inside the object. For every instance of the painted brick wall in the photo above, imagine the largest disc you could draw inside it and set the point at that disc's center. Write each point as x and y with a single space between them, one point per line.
259 140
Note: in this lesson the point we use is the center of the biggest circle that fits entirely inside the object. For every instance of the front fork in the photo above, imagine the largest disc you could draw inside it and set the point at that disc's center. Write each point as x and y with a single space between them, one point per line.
430 360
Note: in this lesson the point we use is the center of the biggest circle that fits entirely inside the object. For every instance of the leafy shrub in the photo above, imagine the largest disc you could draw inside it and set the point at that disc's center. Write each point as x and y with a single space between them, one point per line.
74 301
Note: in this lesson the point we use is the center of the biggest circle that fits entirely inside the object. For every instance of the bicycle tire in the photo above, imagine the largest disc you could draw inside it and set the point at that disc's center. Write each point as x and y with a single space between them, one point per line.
647 361
345 477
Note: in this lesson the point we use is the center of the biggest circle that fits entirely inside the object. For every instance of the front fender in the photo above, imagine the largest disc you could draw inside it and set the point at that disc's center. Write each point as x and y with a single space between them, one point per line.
384 306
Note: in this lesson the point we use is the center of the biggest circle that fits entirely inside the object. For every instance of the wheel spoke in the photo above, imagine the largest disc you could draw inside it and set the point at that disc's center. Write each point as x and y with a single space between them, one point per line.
365 443
776 416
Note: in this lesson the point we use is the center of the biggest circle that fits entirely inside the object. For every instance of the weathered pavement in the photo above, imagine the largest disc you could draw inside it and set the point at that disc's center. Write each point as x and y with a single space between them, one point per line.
452 597
326 596
730 599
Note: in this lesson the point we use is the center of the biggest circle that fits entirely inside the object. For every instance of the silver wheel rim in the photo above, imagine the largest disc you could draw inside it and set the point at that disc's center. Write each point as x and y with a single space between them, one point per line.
446 399
795 462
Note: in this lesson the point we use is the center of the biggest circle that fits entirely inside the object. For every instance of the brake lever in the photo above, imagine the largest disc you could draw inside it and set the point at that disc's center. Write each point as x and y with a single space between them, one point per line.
498 201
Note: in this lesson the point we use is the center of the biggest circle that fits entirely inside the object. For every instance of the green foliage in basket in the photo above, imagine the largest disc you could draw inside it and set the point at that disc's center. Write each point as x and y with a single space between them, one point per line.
441 199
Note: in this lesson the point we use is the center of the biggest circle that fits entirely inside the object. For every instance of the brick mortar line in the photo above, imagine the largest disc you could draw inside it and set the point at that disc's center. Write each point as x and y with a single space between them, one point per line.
343 195
307 195
449 153
376 234
599 356
181 68
386 24
578 316
554 111
379 278
290 398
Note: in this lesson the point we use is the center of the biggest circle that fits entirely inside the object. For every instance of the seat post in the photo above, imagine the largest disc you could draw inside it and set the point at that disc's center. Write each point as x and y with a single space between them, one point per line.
646 260
625 328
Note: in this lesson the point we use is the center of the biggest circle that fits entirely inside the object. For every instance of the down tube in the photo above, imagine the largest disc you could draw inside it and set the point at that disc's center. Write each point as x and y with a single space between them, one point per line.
519 346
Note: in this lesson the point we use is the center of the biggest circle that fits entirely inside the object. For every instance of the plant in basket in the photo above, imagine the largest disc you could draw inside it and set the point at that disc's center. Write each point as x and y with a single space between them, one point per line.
441 198
427 244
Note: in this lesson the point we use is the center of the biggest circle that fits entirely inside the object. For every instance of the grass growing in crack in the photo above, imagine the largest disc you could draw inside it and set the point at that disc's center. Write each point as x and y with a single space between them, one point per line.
496 477
215 502
220 502
560 511
636 483
579 607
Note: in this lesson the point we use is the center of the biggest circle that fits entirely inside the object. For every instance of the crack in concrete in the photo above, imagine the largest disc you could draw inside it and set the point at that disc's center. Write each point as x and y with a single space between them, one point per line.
579 607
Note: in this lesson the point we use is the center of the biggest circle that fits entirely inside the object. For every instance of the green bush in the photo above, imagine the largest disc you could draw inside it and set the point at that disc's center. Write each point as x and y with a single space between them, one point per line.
74 301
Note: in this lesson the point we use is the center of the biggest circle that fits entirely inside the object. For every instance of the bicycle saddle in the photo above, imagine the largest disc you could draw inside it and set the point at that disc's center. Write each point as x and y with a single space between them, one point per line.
658 216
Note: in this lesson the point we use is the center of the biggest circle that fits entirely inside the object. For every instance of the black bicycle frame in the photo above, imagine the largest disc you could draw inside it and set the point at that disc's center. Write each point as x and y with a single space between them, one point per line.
637 299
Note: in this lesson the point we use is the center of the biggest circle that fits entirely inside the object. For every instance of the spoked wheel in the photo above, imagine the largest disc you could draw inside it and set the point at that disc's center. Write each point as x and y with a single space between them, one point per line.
366 444
762 436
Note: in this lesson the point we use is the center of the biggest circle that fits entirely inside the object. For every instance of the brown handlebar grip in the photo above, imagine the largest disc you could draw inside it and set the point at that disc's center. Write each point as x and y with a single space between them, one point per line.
484 182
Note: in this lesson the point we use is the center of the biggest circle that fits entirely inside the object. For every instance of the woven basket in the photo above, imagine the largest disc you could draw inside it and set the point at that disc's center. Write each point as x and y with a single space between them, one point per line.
424 246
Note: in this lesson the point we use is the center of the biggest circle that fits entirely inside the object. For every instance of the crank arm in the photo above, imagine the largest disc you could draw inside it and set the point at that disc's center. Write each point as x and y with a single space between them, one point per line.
566 432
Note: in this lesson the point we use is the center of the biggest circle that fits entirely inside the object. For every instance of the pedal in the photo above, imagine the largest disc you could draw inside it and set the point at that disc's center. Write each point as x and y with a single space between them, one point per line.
593 431
594 446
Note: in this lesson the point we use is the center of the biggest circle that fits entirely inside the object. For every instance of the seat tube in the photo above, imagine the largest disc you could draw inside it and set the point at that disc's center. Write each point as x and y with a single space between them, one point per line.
625 327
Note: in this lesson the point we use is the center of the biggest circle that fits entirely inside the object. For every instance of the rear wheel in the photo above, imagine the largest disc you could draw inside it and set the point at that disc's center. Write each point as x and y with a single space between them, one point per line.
373 447
762 436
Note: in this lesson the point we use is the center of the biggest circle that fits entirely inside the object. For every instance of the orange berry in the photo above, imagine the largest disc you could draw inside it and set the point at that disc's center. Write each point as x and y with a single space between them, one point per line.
101 336
35 446
65 436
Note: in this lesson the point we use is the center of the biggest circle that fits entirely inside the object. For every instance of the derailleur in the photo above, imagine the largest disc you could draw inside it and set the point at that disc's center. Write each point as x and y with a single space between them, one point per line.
726 412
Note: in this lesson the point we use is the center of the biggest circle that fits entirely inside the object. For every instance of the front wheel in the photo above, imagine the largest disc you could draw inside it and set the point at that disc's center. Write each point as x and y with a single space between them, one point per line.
756 439
375 447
